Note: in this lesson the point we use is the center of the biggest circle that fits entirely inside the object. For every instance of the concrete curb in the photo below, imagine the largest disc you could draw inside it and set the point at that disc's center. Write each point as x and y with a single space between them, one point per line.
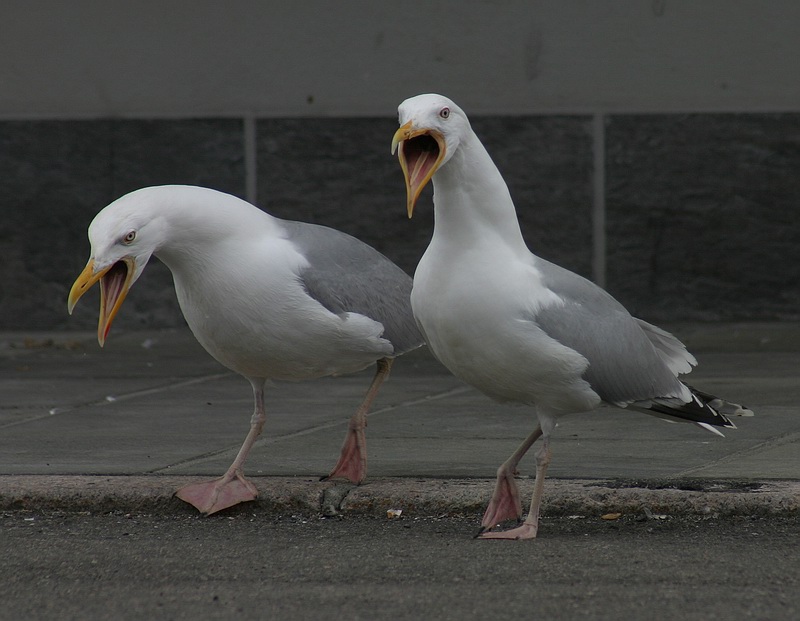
414 497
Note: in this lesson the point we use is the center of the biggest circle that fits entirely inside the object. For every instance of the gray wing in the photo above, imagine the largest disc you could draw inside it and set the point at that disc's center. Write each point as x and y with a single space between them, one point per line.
346 275
629 360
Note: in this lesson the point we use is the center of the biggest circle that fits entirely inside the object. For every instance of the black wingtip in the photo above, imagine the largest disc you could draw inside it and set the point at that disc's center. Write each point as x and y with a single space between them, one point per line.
703 408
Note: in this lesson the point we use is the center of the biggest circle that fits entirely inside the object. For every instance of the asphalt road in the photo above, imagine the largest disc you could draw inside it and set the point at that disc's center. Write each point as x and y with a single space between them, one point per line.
67 565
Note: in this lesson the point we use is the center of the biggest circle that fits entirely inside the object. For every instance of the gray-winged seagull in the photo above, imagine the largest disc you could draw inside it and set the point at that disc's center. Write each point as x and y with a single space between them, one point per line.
268 298
515 326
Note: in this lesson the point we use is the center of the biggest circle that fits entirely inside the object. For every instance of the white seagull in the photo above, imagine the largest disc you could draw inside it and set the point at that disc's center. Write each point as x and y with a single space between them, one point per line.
517 327
268 298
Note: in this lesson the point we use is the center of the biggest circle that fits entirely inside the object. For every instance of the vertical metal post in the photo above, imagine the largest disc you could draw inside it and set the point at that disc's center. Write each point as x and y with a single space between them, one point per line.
250 159
599 199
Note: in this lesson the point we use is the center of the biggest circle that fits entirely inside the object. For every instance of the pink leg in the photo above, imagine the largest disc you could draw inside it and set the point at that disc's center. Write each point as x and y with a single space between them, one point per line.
232 488
352 464
529 528
505 503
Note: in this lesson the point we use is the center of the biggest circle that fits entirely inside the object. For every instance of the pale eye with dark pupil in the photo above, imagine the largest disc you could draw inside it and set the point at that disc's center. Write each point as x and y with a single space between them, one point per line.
444 112
129 237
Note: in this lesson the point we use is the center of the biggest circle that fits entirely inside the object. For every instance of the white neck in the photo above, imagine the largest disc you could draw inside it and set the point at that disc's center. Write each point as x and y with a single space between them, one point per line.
196 223
472 204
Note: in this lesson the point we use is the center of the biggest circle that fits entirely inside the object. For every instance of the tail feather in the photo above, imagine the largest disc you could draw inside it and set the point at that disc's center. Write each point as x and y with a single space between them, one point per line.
669 348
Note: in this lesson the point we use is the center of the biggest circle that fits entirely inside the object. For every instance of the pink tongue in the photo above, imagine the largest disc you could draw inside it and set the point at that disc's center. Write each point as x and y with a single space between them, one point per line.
111 285
420 168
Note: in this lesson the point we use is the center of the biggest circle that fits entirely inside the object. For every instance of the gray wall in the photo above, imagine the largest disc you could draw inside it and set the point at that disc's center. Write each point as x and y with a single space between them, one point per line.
206 58
653 145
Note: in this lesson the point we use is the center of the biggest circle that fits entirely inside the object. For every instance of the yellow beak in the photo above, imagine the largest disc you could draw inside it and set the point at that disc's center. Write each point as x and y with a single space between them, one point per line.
420 152
115 282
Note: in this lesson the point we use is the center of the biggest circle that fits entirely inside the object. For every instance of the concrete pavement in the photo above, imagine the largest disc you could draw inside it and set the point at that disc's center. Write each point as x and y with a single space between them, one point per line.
96 429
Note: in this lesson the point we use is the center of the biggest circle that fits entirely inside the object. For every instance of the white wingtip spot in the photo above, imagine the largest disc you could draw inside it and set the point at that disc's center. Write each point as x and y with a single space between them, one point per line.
711 428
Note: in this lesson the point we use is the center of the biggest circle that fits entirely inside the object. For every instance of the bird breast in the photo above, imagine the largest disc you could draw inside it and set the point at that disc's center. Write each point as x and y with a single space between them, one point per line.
479 322
260 322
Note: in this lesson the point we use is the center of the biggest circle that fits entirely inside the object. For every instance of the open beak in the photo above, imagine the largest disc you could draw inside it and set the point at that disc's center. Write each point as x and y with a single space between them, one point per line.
420 152
115 281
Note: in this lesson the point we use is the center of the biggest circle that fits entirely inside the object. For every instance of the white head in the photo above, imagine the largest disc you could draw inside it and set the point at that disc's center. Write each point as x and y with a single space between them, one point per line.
123 237
431 129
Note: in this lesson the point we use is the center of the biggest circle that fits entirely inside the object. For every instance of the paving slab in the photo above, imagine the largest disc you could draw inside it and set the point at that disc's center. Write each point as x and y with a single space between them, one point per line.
153 404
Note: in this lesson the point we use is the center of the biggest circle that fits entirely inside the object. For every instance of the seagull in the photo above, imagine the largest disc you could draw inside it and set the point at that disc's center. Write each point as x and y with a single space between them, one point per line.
270 299
519 328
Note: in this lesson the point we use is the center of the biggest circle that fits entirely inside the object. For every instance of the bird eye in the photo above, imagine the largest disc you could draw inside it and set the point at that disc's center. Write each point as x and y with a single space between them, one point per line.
129 237
444 112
